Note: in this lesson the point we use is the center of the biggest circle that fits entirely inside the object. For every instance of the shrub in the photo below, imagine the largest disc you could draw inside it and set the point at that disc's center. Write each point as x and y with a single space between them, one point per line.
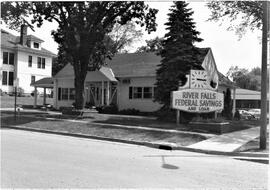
130 112
209 120
169 115
89 105
237 115
111 109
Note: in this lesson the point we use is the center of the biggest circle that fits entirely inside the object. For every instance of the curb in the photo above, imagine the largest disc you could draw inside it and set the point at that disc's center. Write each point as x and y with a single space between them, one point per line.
164 146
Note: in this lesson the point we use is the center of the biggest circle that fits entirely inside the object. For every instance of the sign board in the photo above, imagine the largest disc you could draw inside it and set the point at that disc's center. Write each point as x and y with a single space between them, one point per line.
197 100
16 82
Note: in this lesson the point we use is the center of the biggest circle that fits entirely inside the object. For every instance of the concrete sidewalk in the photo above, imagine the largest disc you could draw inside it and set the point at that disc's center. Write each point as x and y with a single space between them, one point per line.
229 142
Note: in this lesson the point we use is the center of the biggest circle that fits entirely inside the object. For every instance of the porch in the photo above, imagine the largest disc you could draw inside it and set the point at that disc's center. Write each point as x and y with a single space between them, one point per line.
45 83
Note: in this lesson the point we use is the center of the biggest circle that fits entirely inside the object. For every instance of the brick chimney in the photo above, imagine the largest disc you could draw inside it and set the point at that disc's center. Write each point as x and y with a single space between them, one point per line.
23 35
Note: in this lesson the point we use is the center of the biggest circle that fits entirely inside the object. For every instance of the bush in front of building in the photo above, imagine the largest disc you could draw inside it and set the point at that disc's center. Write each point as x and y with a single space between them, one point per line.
111 109
227 111
237 115
130 112
169 115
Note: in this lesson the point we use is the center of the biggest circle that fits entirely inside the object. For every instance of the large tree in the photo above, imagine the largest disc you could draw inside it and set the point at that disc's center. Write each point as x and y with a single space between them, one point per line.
179 54
247 79
241 15
121 37
152 45
82 28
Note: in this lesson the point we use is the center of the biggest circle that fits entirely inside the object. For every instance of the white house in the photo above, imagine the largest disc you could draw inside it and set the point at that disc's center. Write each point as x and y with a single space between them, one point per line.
23 58
128 80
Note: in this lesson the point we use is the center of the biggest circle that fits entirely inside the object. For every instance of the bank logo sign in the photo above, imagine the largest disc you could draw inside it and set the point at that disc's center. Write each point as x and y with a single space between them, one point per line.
197 95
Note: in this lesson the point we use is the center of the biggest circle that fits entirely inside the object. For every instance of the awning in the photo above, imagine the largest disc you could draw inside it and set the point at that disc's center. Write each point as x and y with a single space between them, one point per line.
44 83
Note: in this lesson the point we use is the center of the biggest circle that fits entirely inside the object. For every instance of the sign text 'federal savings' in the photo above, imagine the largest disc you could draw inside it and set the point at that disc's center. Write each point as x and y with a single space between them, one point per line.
197 100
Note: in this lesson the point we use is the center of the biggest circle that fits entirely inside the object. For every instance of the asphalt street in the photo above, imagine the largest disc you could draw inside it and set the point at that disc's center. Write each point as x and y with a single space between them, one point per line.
37 160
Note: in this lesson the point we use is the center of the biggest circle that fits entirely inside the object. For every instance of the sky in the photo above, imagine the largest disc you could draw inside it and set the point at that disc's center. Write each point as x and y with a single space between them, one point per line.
227 48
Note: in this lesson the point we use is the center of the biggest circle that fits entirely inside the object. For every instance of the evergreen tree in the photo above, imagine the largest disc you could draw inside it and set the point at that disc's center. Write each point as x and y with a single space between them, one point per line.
227 111
179 54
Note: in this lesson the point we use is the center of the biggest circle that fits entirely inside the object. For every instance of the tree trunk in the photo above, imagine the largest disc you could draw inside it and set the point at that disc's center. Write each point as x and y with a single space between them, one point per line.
80 71
79 92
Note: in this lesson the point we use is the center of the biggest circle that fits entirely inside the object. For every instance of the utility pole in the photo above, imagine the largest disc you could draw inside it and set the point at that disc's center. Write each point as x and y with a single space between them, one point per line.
265 29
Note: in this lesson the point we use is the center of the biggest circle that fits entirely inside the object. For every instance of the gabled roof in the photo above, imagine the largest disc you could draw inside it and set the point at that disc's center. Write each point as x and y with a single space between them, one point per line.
136 65
31 37
44 82
140 64
11 41
103 74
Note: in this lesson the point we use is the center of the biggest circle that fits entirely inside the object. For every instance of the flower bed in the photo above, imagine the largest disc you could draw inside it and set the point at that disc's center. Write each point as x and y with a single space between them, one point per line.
217 126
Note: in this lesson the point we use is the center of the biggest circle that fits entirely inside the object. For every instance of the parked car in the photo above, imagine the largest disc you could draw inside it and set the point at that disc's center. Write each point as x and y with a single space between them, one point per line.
245 115
255 112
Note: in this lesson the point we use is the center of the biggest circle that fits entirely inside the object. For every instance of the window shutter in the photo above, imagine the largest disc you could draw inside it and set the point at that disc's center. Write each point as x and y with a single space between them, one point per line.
59 94
130 92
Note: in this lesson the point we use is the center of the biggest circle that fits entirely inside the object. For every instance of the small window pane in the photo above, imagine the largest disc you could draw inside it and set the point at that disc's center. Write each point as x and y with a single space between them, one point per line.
43 63
137 92
10 78
36 45
130 92
29 61
11 58
39 62
59 93
72 93
4 78
147 92
33 79
5 57
64 93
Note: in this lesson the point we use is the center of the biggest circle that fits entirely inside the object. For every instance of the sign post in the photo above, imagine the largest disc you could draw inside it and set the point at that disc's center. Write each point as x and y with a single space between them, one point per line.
16 84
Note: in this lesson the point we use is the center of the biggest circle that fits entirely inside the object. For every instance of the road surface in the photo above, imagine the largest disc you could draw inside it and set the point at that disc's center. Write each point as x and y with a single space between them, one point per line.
37 160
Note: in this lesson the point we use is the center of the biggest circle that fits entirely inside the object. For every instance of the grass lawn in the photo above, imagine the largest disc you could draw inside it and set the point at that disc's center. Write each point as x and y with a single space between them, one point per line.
8 101
30 121
253 146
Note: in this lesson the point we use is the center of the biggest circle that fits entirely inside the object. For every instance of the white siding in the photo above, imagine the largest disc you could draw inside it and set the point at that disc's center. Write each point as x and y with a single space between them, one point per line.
24 72
62 83
5 67
145 105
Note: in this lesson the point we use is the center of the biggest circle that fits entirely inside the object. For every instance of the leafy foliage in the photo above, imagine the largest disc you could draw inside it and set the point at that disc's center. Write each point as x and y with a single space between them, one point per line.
120 37
153 45
246 79
82 28
179 54
248 13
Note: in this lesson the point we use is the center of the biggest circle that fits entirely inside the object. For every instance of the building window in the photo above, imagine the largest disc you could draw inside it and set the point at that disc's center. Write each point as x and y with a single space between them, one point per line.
64 93
147 92
137 92
5 57
39 62
33 79
4 78
8 58
36 45
43 63
59 93
141 92
29 61
72 94
10 78
11 58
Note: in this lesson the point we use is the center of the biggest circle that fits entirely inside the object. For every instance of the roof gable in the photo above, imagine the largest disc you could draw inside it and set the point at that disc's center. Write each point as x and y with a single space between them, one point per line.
9 40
